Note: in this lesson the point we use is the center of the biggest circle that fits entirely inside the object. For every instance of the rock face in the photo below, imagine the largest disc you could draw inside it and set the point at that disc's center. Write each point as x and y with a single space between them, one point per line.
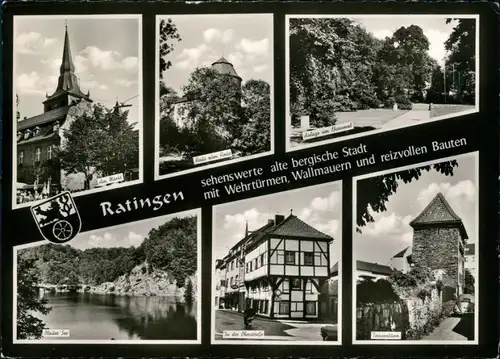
139 283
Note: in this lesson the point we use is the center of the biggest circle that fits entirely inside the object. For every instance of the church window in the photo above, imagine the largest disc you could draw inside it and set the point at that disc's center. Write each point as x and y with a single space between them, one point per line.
49 152
38 154
21 157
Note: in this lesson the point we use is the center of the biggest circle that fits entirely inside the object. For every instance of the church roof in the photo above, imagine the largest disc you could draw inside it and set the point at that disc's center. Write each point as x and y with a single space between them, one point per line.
43 118
438 211
224 67
67 82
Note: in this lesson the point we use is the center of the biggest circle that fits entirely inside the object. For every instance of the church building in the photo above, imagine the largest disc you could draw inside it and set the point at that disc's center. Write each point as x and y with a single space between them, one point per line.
40 135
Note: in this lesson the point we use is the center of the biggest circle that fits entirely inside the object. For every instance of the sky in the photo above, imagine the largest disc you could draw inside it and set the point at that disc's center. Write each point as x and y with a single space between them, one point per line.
105 53
434 27
245 40
319 206
391 232
127 235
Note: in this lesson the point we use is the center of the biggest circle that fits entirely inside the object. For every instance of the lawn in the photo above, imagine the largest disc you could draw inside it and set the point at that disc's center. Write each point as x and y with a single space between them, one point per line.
439 110
363 120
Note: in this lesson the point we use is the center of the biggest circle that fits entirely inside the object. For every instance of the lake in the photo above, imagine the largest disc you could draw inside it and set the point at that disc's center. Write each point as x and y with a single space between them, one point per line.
103 317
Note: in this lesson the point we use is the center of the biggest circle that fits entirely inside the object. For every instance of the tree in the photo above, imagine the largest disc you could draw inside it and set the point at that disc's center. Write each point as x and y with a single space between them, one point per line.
99 141
18 114
469 282
256 133
461 45
28 301
169 35
214 115
373 193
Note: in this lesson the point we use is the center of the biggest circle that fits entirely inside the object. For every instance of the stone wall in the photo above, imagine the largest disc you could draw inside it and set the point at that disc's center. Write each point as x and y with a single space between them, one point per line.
409 317
423 311
384 317
437 248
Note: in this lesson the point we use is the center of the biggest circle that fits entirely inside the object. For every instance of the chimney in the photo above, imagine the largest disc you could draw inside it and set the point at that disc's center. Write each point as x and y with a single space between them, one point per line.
279 218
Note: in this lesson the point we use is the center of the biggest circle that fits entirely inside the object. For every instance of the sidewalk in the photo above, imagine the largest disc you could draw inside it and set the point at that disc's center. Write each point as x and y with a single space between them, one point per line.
410 118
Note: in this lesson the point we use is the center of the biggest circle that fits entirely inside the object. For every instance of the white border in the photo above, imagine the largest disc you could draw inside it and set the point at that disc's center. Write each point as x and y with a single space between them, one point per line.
213 341
157 102
390 18
139 107
475 155
196 212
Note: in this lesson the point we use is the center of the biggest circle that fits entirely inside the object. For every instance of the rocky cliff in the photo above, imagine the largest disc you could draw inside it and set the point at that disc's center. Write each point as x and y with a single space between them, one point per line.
139 283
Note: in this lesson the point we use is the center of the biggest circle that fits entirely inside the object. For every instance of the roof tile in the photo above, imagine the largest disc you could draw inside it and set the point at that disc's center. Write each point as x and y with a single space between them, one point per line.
292 226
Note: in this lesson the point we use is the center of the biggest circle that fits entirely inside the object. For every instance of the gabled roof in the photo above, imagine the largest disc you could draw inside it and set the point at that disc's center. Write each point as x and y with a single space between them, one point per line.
292 226
470 249
46 117
374 268
402 253
224 67
439 211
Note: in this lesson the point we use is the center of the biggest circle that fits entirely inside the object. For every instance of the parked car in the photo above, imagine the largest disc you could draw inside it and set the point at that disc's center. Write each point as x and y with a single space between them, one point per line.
329 332
464 304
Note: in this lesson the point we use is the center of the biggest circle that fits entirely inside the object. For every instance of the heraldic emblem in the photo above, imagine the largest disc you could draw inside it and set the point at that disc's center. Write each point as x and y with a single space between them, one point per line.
57 218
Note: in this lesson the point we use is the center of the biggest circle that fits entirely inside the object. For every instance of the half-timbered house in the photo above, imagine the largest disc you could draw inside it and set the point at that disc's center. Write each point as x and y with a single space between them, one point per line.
283 266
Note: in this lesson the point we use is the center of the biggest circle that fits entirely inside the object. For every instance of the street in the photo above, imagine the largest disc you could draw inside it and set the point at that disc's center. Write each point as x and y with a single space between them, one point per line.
454 328
273 329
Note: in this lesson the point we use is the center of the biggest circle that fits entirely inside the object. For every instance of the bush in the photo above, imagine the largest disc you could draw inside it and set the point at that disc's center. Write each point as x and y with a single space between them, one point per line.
404 103
447 308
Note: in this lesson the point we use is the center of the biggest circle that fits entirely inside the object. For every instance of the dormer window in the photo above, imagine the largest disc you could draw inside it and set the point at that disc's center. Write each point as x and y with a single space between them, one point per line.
55 127
37 131
27 134
19 135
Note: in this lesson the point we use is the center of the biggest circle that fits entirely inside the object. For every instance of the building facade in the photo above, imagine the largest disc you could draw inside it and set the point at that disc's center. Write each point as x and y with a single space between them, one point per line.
279 269
39 136
439 240
470 259
402 261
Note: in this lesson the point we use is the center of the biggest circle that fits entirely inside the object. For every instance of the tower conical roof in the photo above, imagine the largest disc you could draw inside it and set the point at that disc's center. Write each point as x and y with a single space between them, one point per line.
225 67
438 211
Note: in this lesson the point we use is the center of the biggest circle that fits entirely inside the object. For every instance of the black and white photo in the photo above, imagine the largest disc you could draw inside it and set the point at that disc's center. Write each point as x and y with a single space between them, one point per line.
415 241
77 104
351 75
274 277
136 283
215 90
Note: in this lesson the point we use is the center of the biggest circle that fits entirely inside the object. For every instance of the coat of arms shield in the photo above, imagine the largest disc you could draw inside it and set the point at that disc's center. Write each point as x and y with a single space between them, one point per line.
57 218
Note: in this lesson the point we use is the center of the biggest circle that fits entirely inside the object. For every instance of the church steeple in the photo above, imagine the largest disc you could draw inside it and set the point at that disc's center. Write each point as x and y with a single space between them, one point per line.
68 87
67 78
67 60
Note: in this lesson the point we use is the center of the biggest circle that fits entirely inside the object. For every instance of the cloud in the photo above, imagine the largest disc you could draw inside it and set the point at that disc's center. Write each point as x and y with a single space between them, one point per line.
463 193
125 82
384 225
224 36
92 84
30 84
189 58
258 47
107 60
32 43
329 203
260 68
109 240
